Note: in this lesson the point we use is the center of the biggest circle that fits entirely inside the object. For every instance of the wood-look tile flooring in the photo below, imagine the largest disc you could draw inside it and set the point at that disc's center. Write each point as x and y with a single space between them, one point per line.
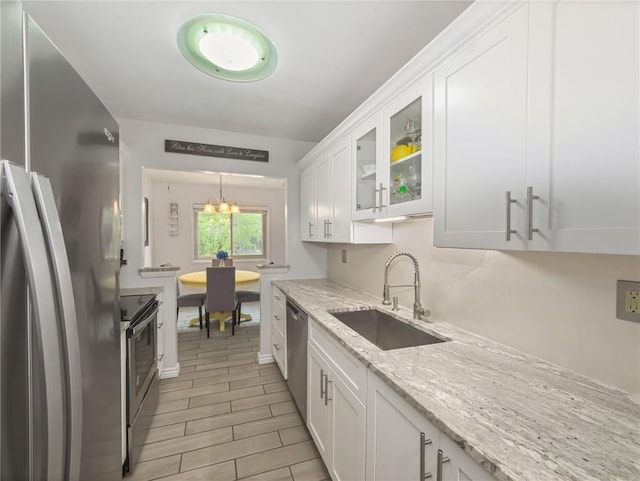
226 417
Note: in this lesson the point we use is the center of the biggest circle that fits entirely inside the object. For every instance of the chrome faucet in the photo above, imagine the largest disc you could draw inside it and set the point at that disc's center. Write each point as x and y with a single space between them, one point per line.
418 311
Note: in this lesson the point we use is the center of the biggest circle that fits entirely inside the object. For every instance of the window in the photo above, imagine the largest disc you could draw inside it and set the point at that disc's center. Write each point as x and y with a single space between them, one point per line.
242 235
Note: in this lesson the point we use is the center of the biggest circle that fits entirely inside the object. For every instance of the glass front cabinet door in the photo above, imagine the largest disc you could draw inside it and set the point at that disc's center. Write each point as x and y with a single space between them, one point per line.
367 174
408 150
392 155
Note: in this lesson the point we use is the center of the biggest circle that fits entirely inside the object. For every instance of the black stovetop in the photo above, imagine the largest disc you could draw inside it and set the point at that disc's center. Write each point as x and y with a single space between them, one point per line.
132 306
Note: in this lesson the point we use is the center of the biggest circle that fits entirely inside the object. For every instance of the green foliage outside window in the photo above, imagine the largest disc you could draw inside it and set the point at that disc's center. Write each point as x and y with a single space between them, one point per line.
242 235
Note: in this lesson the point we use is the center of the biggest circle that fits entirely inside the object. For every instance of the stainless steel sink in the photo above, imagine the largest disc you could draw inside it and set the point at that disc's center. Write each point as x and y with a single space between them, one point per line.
383 330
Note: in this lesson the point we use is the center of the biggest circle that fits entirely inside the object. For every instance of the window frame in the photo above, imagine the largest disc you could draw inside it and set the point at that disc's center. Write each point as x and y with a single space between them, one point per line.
244 209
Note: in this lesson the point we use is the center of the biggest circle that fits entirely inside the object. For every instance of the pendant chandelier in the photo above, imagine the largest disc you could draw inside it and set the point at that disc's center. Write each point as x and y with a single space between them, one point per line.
224 206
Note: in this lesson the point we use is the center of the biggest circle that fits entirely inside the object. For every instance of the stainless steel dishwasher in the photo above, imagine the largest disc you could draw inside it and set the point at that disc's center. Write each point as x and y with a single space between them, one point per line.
297 356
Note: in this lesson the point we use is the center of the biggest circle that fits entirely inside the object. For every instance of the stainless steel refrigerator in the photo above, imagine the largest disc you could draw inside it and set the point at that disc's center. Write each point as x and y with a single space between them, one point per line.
60 389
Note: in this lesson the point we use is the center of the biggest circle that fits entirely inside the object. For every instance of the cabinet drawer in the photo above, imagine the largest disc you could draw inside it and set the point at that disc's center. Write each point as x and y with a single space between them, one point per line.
279 350
352 371
279 317
278 298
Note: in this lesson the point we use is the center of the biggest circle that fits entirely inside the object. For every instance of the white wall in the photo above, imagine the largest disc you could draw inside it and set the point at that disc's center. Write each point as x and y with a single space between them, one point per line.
560 307
178 250
145 148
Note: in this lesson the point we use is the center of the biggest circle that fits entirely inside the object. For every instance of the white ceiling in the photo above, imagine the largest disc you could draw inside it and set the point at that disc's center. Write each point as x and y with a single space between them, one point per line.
332 56
213 179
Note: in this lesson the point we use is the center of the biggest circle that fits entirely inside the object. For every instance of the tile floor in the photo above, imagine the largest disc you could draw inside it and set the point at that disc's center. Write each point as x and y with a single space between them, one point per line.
226 417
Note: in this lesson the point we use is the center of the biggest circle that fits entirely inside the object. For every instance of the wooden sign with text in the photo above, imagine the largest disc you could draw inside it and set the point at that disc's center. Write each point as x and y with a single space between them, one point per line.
209 150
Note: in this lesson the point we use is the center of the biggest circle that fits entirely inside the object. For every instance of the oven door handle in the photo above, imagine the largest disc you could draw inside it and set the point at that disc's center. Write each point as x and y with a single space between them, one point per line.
135 330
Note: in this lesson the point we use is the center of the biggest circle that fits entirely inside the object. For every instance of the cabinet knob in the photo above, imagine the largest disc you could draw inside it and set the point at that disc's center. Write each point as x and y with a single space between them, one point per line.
276 317
277 347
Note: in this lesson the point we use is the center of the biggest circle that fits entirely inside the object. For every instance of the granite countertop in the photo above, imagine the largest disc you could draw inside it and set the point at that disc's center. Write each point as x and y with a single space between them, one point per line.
521 417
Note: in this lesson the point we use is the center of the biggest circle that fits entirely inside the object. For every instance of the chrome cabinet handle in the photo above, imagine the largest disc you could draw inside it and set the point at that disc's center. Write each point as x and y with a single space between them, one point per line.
380 191
441 461
310 226
326 389
508 202
529 213
329 224
322 392
375 206
424 442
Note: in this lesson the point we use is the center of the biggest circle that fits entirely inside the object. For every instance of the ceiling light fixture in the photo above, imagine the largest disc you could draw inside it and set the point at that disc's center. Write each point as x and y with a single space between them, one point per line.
223 205
227 47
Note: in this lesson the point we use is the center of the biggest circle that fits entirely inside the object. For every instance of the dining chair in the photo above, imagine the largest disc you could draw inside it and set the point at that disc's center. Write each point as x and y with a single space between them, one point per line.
221 294
190 300
243 296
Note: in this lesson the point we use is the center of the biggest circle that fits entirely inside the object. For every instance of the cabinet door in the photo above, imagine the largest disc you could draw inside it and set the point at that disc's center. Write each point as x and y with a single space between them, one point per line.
324 196
480 123
308 209
366 174
339 226
408 157
394 440
318 414
585 126
460 466
348 432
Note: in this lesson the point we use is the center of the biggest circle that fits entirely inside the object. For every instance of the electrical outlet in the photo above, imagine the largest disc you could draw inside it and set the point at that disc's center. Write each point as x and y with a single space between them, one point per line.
632 301
344 256
628 301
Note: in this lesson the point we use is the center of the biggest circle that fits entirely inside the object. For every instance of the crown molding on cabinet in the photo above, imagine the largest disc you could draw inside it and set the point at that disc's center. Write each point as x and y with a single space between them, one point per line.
479 16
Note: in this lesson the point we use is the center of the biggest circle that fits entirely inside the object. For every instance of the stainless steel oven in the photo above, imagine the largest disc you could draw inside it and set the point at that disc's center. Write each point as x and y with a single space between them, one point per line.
142 375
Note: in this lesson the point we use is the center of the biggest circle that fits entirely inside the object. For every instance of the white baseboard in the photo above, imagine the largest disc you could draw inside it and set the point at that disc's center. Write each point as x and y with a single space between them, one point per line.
265 358
169 373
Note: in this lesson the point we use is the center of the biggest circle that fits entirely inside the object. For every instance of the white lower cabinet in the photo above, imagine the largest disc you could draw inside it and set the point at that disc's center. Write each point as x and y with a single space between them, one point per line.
318 420
364 430
403 445
396 435
335 418
460 466
348 439
279 329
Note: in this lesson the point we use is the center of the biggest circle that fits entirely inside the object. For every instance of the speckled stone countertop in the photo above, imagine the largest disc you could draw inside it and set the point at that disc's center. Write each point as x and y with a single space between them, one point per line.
522 418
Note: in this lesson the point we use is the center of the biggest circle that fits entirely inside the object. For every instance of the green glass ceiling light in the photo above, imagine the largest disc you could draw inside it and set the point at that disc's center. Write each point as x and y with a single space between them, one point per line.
227 47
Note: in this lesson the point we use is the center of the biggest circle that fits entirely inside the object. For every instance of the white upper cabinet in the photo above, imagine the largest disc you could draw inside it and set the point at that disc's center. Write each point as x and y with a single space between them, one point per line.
326 193
408 147
308 204
392 155
584 154
367 171
536 132
480 139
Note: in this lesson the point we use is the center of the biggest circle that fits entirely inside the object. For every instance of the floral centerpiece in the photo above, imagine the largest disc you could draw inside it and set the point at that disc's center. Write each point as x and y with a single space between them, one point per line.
222 256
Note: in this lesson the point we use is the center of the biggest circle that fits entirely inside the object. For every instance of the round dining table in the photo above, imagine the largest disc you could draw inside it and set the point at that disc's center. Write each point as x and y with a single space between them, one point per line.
199 278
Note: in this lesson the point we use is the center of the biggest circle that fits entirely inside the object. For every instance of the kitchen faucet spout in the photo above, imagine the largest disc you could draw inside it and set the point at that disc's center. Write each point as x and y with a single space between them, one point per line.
418 311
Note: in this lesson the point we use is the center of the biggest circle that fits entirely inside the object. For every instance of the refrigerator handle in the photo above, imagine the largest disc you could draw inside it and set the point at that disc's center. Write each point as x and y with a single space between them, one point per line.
54 239
15 185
